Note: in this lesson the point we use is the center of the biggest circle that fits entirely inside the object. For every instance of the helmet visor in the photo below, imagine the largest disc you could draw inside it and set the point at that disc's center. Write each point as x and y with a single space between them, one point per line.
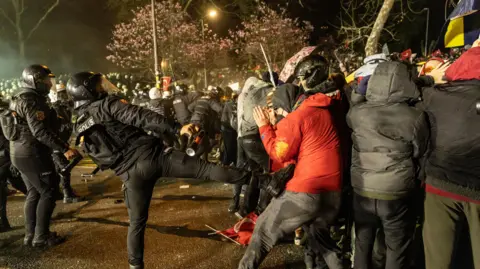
106 86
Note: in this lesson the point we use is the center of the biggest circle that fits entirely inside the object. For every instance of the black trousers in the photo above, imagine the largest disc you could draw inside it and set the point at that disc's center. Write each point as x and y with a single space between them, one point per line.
39 176
229 153
396 217
65 180
252 154
5 176
140 180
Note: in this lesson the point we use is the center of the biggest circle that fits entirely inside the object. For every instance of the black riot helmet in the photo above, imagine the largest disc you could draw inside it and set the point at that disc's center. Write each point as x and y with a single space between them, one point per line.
312 71
38 78
85 87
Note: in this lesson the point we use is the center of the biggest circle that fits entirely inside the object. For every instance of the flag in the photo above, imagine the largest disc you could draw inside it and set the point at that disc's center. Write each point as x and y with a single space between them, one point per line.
464 8
463 24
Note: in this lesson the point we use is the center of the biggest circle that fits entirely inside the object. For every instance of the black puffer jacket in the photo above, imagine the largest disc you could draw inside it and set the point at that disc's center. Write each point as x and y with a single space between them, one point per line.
389 136
454 160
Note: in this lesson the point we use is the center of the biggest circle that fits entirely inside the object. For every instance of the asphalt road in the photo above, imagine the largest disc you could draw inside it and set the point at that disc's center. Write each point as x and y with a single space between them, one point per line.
176 235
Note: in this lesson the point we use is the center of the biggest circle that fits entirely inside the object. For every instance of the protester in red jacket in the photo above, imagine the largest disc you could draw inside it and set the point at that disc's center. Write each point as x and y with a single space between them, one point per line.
308 136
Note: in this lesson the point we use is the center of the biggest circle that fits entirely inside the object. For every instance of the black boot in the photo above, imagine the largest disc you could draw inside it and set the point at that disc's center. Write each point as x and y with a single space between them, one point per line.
275 183
27 240
52 239
234 204
69 196
4 224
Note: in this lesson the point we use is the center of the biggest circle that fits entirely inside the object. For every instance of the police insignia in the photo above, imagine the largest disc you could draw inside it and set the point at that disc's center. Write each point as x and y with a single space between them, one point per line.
123 101
40 115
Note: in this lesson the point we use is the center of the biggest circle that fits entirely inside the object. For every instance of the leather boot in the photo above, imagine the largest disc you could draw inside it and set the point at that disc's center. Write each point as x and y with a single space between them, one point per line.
4 224
69 196
52 239
234 204
275 183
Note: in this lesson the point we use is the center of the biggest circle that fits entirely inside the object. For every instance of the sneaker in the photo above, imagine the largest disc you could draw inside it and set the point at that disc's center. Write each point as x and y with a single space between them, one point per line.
72 199
136 266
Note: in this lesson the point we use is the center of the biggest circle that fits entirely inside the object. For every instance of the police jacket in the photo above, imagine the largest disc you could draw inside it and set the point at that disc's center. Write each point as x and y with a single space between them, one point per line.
163 107
205 111
180 106
390 137
64 115
35 126
113 132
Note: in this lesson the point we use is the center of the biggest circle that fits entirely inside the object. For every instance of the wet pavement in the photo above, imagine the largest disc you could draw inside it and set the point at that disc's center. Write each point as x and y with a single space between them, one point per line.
176 236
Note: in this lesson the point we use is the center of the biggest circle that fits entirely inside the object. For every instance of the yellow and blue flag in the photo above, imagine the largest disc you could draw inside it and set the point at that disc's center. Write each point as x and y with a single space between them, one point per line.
463 24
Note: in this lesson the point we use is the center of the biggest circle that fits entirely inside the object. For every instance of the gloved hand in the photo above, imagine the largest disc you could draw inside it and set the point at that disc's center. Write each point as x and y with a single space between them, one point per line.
189 129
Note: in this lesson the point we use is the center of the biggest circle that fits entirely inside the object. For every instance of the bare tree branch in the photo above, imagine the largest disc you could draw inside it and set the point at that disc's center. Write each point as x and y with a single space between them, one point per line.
52 7
7 18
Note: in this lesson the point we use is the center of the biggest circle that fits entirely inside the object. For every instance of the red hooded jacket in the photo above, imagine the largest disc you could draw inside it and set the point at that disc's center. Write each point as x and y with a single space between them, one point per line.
308 136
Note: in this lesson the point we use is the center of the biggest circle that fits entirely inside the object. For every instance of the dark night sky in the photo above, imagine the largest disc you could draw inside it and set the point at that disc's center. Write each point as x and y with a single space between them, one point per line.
74 36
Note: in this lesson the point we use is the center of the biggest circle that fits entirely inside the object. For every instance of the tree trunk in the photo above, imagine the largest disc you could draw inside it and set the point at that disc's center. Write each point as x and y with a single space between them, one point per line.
372 42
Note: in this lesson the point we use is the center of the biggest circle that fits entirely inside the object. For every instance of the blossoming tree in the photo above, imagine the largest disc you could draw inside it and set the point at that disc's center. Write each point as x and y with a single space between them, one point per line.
181 43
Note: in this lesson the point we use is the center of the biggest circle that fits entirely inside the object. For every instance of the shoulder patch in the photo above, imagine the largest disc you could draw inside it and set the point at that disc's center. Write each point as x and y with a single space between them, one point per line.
281 149
40 115
123 101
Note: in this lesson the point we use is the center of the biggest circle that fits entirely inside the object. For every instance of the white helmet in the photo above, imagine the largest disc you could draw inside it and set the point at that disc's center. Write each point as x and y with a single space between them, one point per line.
167 94
155 93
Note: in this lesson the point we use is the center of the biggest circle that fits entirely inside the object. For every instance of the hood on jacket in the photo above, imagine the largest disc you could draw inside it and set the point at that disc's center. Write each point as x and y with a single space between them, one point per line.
391 83
286 96
467 67
321 100
248 84
370 63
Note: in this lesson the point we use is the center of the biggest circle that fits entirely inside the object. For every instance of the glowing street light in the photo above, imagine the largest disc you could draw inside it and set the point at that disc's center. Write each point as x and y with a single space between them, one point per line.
212 13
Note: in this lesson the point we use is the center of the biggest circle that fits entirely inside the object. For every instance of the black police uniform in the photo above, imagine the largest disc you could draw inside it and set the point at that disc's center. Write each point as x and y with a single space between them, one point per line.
31 154
63 109
113 135
6 175
205 114
163 107
180 105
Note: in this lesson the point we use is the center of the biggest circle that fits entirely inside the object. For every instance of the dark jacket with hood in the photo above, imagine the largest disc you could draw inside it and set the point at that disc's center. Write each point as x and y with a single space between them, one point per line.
390 137
453 165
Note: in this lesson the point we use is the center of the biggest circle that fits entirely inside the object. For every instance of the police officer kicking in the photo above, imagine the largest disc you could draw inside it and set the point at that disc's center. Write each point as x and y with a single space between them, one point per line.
112 133
32 142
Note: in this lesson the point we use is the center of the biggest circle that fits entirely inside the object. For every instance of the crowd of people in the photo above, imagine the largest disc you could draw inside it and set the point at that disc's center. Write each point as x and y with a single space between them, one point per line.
394 153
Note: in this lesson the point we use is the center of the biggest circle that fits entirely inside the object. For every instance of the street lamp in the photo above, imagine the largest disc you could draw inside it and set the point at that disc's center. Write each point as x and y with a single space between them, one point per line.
212 13
155 47
426 30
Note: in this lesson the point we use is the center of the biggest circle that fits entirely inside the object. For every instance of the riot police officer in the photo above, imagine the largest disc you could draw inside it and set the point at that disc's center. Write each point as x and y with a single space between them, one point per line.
162 103
64 108
31 147
181 100
6 175
113 135
206 116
